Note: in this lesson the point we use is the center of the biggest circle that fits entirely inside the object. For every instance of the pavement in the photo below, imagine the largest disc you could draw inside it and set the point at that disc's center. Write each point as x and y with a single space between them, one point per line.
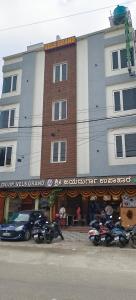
73 241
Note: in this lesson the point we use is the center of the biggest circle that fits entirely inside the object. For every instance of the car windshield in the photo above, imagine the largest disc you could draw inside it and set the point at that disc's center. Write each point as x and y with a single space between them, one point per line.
19 217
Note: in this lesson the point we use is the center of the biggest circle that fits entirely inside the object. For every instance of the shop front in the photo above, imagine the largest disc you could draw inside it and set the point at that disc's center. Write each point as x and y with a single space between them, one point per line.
90 197
19 200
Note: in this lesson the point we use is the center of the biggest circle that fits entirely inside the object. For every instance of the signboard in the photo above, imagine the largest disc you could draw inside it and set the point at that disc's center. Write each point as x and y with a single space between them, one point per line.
60 43
70 182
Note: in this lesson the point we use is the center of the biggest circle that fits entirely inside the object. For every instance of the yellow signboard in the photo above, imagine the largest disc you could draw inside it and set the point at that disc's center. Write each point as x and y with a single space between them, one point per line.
60 43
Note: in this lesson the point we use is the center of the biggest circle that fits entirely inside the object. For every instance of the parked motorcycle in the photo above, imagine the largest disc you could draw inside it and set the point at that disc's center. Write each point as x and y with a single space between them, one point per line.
109 234
117 234
45 231
132 231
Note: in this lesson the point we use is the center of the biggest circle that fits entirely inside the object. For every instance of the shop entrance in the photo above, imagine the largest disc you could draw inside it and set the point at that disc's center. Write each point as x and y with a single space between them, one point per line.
100 209
76 211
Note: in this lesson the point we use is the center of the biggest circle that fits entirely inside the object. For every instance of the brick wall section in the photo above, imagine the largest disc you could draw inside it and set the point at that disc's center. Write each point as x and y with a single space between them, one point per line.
60 129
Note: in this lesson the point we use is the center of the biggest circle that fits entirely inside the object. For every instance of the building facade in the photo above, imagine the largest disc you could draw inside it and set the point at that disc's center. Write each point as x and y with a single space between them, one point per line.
67 116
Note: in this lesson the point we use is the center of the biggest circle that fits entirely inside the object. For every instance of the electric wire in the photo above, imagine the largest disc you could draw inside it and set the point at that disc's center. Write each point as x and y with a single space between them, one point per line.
62 17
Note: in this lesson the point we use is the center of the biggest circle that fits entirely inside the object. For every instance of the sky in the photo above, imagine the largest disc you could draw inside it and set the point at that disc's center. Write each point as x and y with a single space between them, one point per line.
51 17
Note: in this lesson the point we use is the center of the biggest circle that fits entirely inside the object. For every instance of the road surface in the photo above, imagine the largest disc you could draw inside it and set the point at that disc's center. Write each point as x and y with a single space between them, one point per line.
76 272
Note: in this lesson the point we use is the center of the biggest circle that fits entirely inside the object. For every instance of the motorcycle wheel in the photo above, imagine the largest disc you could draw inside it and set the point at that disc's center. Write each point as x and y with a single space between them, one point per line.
122 242
96 241
107 241
133 242
48 240
39 241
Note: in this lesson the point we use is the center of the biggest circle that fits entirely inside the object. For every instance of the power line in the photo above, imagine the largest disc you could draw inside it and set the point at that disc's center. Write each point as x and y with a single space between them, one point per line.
62 17
72 123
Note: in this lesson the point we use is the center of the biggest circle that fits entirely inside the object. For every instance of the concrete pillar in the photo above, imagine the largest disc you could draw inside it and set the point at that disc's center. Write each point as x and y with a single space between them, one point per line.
6 208
36 204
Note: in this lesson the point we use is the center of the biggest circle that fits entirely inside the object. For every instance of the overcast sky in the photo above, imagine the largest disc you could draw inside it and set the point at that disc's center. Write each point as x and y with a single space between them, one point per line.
21 12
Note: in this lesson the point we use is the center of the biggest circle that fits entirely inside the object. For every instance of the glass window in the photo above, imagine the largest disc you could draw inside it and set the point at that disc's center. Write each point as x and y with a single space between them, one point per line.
5 156
7 118
6 85
59 151
63 151
55 152
59 110
57 73
123 58
119 149
115 60
56 111
132 56
117 101
60 72
8 156
64 72
130 145
12 117
14 85
64 110
119 58
2 156
4 117
129 99
9 84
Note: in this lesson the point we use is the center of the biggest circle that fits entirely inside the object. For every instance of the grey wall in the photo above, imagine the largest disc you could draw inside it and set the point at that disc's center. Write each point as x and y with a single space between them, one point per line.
23 136
97 109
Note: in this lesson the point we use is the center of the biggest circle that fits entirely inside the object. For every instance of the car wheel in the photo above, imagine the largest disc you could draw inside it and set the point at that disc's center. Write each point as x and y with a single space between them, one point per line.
27 235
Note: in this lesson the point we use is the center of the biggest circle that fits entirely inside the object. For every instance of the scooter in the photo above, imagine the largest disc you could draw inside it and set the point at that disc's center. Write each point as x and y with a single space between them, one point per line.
97 233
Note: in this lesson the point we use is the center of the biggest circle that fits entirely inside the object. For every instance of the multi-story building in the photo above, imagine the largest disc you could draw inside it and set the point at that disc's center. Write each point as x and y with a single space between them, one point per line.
67 116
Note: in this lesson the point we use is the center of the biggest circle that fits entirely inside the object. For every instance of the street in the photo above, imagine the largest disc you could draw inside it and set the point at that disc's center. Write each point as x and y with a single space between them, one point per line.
66 271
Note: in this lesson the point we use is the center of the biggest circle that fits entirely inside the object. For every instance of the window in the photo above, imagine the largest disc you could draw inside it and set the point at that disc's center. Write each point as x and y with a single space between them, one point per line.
9 84
7 118
125 99
59 110
5 156
119 59
60 72
126 145
58 152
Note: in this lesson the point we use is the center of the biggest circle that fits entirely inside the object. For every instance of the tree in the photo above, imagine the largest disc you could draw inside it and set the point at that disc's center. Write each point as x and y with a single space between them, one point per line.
51 198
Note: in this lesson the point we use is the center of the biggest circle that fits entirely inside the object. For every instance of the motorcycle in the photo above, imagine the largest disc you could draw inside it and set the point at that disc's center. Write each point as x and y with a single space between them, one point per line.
132 231
45 231
117 234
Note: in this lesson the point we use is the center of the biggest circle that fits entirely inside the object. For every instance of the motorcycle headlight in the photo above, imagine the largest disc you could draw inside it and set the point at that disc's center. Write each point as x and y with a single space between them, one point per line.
19 228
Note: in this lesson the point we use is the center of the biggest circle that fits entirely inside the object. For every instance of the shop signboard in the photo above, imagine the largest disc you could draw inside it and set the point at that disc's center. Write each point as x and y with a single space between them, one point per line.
70 182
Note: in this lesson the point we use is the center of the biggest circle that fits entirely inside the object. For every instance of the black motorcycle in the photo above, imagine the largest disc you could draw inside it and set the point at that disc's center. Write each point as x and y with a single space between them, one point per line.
45 231
132 231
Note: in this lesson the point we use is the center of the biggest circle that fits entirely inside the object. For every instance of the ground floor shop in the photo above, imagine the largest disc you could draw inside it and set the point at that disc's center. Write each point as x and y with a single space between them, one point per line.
85 196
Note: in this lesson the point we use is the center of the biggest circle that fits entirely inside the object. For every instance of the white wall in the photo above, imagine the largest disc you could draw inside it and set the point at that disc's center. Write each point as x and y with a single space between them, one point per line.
82 108
36 140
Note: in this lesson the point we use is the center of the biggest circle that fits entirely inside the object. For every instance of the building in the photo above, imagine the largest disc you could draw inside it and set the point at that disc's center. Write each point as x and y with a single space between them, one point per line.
80 135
